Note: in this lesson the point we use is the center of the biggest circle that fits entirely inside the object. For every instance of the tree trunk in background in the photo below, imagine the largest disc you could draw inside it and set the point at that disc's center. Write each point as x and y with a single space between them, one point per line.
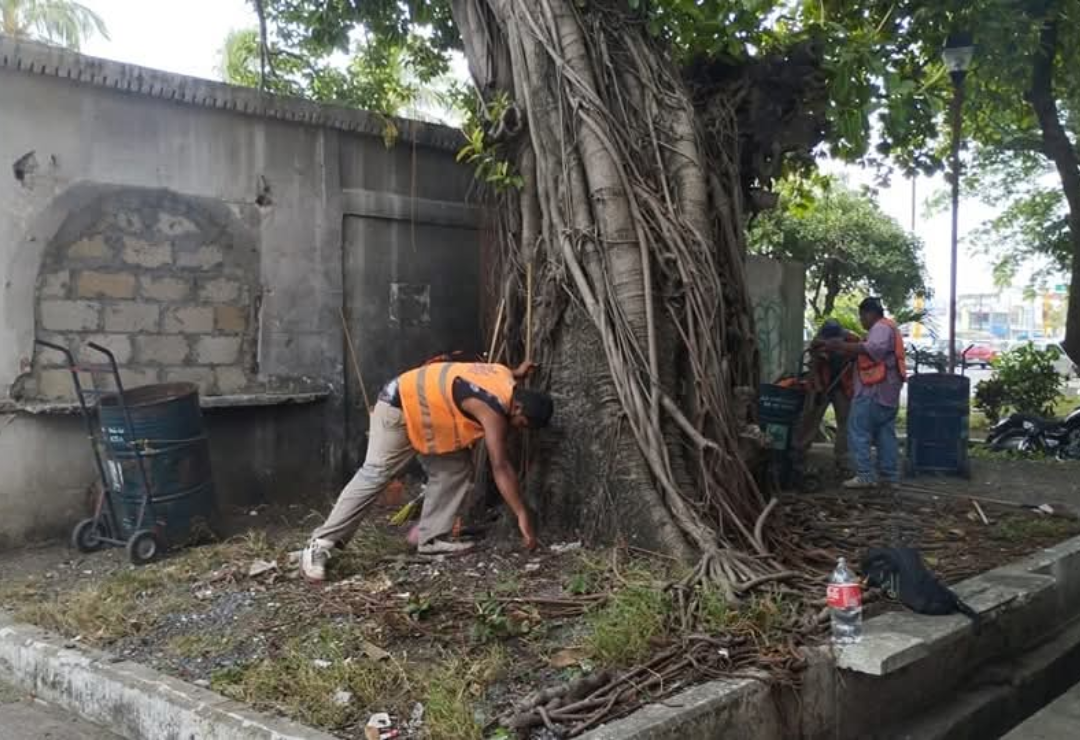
631 218
1060 150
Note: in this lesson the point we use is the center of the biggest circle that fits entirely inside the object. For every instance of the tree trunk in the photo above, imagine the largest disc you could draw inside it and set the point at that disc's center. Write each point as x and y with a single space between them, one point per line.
1057 146
632 222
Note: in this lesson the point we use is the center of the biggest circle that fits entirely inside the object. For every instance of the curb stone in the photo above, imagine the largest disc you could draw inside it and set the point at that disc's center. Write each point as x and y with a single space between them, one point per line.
131 700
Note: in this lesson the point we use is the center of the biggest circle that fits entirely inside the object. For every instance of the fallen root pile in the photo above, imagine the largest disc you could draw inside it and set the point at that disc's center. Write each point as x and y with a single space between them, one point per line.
574 708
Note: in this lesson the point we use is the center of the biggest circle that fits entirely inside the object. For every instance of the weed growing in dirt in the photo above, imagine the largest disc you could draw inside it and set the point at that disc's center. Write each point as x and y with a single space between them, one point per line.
367 548
714 614
624 630
306 678
451 689
1023 528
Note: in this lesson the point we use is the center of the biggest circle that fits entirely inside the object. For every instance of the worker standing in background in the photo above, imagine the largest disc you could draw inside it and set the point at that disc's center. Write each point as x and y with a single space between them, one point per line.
438 411
880 374
832 382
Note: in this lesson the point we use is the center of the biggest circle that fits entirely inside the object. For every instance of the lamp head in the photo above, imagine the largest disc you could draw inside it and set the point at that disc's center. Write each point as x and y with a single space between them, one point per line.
958 53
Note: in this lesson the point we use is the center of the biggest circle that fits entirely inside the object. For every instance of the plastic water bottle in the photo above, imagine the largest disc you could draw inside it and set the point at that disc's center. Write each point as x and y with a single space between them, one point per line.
844 596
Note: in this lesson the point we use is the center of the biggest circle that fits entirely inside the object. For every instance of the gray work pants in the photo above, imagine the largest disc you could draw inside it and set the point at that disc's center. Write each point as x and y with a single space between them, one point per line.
388 451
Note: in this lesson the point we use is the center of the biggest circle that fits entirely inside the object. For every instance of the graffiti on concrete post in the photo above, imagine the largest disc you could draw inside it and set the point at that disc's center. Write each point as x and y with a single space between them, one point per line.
769 322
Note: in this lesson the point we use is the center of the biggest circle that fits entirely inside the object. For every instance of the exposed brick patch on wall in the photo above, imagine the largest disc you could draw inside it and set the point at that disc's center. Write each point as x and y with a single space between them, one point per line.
168 283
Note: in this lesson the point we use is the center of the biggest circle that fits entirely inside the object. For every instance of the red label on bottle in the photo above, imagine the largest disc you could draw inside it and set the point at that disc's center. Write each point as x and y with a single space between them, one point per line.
843 595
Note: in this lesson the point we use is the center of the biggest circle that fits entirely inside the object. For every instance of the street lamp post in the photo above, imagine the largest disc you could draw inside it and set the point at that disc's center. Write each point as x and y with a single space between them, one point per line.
957 57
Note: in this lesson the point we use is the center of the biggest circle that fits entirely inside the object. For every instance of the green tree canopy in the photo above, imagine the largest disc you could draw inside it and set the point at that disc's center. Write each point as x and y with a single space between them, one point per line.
388 76
847 243
54 21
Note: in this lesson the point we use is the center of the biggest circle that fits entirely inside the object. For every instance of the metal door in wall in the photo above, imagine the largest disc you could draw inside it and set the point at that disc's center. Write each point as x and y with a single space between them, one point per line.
412 289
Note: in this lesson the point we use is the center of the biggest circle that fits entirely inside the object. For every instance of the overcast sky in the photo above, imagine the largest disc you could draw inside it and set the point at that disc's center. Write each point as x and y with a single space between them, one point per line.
187 38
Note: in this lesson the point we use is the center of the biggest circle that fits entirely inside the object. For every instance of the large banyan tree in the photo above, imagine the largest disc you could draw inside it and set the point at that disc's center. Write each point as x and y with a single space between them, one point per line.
629 141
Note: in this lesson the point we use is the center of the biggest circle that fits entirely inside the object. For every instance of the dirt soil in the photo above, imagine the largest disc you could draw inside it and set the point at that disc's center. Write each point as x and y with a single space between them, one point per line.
448 645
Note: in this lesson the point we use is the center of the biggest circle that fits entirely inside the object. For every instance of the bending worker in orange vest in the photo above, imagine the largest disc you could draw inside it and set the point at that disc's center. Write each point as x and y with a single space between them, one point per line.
880 373
437 411
832 382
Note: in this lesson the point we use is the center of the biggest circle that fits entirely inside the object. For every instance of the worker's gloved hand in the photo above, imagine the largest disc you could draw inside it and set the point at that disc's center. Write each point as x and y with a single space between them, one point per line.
527 534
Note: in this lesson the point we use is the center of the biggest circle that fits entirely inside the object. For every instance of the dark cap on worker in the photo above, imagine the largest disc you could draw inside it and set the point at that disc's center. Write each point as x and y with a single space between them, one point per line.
831 329
870 304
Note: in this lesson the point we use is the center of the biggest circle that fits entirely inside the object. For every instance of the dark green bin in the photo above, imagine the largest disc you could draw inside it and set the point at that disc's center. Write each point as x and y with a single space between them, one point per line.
779 411
167 429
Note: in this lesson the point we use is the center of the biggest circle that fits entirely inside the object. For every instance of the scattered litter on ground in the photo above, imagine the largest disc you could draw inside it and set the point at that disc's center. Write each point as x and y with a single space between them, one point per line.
261 567
343 698
461 643
374 651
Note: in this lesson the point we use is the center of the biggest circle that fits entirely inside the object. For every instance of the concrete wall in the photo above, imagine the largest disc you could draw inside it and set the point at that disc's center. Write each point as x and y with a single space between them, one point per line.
197 229
778 292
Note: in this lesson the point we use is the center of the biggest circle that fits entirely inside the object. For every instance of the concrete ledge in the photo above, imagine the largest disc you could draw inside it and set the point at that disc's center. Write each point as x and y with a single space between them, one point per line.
734 708
895 640
129 699
246 400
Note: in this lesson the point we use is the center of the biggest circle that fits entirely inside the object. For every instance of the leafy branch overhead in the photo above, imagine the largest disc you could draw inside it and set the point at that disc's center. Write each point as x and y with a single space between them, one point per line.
846 241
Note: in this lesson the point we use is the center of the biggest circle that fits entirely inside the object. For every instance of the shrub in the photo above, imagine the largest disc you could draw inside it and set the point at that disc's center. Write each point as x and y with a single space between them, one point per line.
1024 380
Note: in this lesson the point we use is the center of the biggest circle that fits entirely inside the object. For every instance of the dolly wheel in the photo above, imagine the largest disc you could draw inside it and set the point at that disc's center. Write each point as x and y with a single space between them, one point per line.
143 547
87 535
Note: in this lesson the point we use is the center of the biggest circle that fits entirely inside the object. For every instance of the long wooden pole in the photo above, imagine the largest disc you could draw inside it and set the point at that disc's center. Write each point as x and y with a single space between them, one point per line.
528 311
355 361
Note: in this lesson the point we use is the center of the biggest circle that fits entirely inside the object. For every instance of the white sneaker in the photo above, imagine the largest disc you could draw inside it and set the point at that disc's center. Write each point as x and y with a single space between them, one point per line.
859 484
439 546
314 558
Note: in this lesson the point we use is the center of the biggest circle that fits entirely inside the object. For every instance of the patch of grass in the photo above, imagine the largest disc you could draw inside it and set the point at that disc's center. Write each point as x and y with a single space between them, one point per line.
367 548
451 690
714 614
589 575
1023 528
131 600
303 680
507 585
624 630
122 604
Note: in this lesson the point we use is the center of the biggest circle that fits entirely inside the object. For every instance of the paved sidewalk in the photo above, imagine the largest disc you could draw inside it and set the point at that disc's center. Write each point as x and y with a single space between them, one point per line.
22 718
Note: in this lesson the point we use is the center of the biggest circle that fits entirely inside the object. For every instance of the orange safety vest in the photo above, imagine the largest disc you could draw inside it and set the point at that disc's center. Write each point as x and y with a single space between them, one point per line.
871 372
435 424
823 378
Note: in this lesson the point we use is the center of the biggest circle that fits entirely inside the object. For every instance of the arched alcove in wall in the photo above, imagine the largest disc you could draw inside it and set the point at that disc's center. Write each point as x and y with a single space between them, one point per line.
169 283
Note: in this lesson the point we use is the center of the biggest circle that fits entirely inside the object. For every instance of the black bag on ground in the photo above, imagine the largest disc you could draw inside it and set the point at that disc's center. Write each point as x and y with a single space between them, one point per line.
901 572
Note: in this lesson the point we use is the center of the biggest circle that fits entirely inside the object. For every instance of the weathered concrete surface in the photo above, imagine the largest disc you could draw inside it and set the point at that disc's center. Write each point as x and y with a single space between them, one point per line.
197 229
778 293
1000 694
736 709
133 701
1060 720
23 718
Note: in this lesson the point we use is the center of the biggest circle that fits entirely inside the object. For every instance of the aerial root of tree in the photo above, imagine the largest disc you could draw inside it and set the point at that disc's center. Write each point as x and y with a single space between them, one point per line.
632 207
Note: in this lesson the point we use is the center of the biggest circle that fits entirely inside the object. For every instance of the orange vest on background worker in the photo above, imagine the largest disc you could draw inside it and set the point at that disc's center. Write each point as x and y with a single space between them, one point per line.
436 426
823 377
871 372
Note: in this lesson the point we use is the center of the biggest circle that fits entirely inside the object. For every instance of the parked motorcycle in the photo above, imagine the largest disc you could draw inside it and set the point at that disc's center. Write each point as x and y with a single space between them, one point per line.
1027 433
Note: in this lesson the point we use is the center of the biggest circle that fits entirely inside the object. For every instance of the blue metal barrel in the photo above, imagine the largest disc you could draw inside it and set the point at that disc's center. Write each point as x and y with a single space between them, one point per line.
779 410
167 429
937 424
